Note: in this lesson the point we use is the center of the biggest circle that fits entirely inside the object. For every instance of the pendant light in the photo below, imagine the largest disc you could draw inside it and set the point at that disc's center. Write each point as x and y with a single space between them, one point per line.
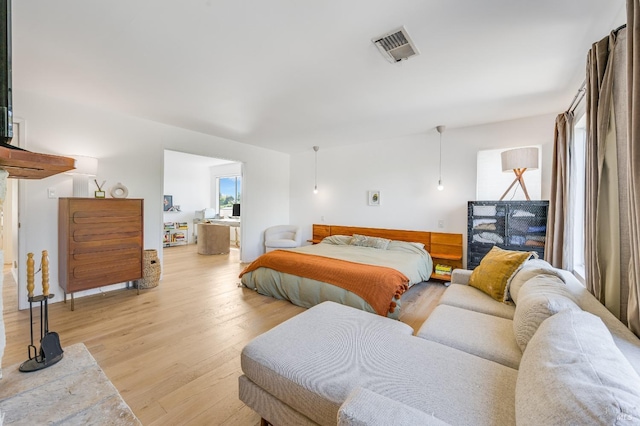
315 188
440 129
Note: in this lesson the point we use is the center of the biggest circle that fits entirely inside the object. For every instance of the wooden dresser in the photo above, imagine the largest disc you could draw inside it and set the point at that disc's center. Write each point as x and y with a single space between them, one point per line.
100 242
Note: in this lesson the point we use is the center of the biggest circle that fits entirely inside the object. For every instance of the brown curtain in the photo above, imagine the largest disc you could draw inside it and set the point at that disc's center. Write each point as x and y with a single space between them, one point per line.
606 140
559 243
633 161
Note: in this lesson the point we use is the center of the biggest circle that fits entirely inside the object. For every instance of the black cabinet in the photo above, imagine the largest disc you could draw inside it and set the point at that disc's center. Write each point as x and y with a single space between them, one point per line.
511 225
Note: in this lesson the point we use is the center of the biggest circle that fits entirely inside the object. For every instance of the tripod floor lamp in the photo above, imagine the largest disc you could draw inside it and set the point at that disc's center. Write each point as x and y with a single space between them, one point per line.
519 160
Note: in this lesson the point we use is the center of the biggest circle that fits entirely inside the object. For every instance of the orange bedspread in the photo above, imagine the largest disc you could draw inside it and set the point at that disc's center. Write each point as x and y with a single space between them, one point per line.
377 285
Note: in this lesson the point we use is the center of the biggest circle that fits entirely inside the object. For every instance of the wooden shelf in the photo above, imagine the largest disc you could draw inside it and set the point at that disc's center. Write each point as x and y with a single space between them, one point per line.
446 256
441 277
30 165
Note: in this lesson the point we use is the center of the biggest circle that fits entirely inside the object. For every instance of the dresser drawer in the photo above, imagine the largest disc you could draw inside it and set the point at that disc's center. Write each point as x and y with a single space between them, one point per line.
91 275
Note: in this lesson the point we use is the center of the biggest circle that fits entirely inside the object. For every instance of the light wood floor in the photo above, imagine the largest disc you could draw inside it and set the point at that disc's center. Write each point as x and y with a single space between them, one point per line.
173 352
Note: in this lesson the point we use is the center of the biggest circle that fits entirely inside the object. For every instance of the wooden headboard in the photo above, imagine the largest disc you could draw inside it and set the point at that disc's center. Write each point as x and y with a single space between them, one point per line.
444 248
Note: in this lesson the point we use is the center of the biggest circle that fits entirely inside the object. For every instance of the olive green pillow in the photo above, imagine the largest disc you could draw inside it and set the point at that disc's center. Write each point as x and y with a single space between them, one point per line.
496 270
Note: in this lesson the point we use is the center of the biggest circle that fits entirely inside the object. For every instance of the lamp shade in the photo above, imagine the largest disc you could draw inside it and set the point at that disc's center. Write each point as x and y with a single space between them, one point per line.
84 168
520 158
87 166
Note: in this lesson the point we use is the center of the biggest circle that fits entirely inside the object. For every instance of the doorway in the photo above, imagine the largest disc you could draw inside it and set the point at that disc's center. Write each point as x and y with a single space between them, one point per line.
191 186
9 229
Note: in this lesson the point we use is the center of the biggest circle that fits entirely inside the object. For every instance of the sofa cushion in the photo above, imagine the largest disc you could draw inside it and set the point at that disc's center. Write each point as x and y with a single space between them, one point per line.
538 299
313 361
530 269
366 408
496 269
572 373
473 299
483 335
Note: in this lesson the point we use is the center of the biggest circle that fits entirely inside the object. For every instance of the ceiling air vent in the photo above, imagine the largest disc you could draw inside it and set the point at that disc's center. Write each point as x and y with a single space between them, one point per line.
396 45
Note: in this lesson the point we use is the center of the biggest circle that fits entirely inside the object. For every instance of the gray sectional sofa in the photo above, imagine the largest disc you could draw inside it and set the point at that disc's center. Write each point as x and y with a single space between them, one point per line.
555 356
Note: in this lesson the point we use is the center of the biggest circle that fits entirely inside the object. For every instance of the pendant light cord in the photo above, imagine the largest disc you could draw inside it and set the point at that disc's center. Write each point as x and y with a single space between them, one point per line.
440 129
315 188
440 165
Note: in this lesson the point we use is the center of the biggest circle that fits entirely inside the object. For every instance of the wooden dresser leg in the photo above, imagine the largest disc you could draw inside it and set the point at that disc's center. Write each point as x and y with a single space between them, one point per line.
72 304
263 422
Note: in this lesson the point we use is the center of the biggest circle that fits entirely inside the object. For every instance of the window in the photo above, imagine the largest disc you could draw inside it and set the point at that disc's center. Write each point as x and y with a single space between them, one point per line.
577 191
229 190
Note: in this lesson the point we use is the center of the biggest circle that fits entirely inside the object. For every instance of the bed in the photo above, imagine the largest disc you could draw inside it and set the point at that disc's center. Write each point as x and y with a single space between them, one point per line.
344 262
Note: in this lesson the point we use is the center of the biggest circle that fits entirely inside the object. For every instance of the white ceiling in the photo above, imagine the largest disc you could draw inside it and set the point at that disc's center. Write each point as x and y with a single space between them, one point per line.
290 74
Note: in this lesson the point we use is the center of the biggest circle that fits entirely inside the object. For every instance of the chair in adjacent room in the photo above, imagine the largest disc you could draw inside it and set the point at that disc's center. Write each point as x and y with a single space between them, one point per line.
282 236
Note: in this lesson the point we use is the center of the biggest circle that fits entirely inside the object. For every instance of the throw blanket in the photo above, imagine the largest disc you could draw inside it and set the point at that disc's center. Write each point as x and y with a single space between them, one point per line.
377 285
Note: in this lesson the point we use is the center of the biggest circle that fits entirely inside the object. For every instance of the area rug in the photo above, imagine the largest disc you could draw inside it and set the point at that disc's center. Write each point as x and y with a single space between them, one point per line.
75 391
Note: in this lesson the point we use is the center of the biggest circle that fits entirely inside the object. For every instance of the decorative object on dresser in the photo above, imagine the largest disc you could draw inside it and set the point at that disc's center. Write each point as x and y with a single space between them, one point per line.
100 192
100 242
510 225
119 191
85 167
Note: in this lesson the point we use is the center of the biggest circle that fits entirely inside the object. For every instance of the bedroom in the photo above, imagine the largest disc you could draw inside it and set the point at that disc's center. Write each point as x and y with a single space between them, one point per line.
399 162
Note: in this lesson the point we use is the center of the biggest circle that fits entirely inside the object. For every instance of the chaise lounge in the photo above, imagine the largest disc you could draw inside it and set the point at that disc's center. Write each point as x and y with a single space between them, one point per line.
554 355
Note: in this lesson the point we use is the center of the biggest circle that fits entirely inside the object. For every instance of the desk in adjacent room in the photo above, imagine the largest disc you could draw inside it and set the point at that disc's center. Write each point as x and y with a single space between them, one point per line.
233 223
213 238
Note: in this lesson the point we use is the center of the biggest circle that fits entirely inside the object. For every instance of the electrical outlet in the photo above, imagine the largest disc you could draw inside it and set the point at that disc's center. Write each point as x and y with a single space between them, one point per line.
51 192
441 223
321 218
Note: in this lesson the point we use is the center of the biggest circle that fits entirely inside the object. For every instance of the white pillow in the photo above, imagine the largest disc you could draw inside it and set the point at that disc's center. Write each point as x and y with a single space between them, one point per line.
530 269
572 373
538 299
365 241
338 240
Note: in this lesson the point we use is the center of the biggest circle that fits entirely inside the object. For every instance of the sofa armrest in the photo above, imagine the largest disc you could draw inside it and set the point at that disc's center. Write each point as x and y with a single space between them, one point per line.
460 276
366 408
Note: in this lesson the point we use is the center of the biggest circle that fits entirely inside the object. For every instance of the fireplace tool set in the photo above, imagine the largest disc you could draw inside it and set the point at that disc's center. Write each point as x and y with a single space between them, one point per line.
50 350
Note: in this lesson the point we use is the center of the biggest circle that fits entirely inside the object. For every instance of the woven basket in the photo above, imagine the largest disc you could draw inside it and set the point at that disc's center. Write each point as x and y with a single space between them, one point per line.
150 269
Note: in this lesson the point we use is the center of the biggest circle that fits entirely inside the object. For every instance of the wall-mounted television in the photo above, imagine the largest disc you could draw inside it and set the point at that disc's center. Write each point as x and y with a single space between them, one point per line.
236 210
6 107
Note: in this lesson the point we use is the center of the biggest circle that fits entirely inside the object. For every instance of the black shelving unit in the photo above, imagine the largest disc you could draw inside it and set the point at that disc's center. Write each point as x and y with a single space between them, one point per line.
510 225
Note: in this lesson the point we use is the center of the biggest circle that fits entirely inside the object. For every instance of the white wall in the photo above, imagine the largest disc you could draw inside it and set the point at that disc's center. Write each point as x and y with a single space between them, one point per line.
405 170
130 150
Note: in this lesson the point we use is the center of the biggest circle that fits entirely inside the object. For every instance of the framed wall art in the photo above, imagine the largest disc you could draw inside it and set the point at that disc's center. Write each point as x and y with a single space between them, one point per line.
374 198
168 203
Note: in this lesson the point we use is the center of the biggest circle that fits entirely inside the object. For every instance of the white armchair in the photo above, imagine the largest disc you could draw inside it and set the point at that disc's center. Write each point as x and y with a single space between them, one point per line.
282 236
